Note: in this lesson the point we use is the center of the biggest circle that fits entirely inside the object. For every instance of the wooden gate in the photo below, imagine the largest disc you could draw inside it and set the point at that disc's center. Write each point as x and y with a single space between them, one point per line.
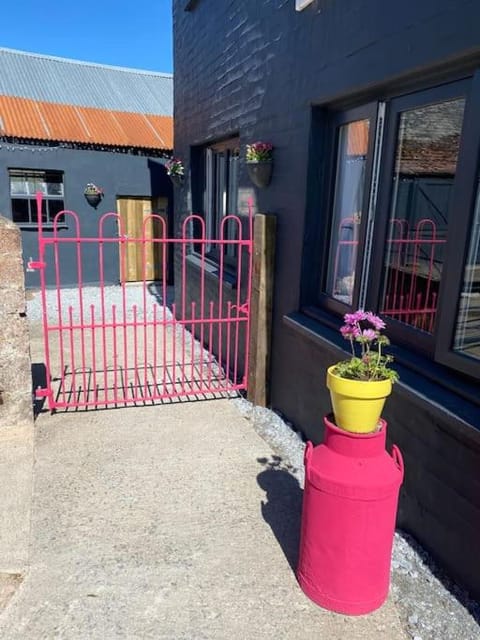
136 221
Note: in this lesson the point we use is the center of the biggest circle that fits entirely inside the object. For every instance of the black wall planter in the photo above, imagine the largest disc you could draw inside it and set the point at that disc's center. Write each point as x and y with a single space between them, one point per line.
260 173
177 180
93 199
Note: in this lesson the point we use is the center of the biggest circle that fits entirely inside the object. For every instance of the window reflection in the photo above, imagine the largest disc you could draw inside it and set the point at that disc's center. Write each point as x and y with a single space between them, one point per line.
426 159
347 209
467 333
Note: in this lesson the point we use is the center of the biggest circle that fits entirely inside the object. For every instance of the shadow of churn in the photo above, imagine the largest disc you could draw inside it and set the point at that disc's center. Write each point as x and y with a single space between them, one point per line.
282 509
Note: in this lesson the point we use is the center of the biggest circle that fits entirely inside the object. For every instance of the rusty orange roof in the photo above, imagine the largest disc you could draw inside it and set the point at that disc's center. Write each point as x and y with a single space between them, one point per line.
25 118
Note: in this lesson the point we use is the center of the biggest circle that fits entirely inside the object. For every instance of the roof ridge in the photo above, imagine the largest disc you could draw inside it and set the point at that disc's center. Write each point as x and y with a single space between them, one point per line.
84 63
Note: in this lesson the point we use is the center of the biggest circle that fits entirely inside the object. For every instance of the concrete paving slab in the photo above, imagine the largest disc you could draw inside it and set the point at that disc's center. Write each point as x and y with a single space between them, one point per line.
167 522
16 462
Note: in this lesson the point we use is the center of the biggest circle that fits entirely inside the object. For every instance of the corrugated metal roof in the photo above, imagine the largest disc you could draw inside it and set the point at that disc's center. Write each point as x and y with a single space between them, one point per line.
60 80
23 118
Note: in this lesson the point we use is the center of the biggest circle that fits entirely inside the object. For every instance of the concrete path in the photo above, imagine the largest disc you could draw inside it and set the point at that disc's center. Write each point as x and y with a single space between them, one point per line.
167 523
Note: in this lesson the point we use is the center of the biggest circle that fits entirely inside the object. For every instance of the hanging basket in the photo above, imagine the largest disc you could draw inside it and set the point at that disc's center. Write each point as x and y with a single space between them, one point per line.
93 199
260 173
357 405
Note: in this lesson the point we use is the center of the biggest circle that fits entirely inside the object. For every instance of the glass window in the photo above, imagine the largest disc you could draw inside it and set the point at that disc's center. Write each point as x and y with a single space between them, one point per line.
349 189
398 222
467 331
221 190
24 185
426 153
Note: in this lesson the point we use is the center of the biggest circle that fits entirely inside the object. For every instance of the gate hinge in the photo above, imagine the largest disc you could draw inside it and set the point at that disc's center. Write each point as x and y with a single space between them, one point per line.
33 264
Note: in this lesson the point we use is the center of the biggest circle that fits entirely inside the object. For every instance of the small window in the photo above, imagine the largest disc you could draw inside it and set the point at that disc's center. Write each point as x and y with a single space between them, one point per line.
221 162
348 204
347 198
24 184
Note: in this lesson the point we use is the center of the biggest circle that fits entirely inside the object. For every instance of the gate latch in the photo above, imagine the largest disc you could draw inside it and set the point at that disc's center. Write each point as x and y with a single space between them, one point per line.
42 393
33 264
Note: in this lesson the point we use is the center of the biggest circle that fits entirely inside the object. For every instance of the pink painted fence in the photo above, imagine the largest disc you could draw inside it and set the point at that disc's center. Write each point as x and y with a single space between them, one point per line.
129 344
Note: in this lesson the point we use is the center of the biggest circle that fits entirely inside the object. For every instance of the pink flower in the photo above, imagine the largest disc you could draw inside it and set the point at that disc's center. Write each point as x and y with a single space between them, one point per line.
349 332
369 334
375 321
355 318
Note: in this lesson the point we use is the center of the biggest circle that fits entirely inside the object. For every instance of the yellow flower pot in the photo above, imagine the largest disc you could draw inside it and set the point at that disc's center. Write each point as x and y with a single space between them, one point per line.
357 405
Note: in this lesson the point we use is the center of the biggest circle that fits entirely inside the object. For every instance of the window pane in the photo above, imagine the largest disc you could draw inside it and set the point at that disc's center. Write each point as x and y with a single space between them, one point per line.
220 186
20 210
54 188
426 158
467 333
54 206
220 190
233 162
36 183
347 209
18 186
231 232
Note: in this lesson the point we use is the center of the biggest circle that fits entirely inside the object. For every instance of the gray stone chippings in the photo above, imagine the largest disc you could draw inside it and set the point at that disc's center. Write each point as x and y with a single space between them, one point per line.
432 606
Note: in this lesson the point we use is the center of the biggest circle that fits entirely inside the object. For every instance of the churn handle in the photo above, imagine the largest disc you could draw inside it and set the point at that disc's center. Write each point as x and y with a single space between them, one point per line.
306 457
398 458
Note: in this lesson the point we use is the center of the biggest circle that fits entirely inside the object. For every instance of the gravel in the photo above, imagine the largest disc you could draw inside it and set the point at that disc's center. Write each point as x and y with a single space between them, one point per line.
432 606
106 301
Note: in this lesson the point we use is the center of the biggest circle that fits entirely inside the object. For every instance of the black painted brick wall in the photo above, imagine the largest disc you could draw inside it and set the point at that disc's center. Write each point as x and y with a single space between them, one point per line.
254 68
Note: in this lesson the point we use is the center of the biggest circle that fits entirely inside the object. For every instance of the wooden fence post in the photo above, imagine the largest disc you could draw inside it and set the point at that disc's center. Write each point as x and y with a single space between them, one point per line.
261 309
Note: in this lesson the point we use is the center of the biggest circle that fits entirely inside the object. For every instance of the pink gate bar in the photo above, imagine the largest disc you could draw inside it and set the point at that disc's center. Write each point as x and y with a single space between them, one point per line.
136 347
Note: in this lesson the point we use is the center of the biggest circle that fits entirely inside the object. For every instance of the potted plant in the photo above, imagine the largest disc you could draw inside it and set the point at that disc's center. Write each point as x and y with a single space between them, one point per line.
93 194
360 385
175 170
259 159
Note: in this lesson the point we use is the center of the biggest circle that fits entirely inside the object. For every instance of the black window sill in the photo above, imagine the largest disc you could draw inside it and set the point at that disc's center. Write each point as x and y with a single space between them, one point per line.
212 270
449 390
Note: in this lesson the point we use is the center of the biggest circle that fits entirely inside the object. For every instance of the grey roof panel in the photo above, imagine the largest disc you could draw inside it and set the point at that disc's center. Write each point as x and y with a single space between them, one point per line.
51 79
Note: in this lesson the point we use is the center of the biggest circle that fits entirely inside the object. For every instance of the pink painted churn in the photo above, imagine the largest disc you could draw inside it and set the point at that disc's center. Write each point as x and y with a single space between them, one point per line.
348 520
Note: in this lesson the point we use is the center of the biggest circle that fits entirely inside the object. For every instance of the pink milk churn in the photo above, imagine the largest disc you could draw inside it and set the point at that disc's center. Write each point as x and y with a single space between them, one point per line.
348 520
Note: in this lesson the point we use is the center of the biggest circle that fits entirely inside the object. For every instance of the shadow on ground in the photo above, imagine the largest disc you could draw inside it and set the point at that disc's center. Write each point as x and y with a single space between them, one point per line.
282 508
39 379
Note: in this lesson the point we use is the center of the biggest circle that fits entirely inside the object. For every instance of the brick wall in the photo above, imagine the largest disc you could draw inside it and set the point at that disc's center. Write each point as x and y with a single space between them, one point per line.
254 69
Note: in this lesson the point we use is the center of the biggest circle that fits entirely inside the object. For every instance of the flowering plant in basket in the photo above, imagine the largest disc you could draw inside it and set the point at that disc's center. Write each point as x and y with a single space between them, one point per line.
259 152
175 167
363 330
92 190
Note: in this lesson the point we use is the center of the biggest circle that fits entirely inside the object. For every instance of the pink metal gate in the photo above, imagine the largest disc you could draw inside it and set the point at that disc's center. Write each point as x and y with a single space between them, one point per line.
128 344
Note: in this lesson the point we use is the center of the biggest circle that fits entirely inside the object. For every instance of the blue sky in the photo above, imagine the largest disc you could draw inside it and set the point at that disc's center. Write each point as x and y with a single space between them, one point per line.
135 34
